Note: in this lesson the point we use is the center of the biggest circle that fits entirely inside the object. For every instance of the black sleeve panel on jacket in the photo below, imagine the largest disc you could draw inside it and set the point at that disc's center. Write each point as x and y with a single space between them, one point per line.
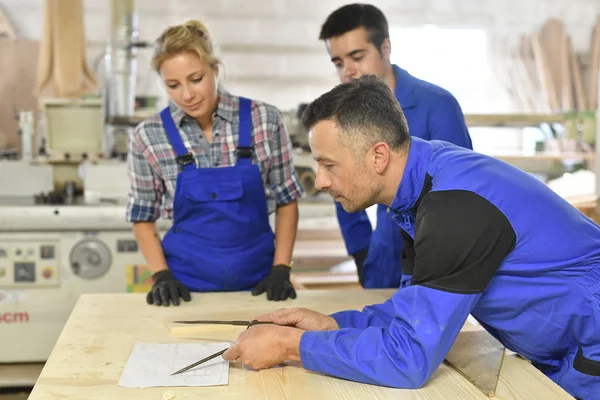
460 241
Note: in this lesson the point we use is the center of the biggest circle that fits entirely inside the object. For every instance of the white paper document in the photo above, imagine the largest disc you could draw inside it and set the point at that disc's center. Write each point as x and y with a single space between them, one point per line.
151 365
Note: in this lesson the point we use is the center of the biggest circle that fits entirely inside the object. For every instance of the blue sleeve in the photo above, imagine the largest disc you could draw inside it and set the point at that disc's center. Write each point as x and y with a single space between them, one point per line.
401 342
356 229
403 354
376 315
447 122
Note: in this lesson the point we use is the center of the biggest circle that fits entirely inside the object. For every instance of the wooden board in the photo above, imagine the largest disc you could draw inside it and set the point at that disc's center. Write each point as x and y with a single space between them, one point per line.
94 346
567 95
18 69
579 91
525 55
552 41
592 71
545 73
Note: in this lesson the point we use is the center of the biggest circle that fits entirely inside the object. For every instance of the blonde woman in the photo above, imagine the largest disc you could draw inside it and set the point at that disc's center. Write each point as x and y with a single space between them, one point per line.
218 165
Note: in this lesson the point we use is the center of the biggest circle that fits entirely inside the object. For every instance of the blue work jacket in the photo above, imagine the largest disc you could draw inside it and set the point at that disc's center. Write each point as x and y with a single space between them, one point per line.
432 113
484 238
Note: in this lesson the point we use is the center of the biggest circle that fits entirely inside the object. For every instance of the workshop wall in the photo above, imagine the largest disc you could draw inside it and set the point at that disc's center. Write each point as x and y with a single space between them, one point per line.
270 47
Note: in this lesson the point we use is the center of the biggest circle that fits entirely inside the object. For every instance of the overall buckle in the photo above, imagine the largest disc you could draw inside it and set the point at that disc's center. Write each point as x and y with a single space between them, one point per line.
244 152
185 159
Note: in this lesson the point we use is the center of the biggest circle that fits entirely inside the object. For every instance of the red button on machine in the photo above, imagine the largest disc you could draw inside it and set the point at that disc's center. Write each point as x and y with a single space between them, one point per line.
47 273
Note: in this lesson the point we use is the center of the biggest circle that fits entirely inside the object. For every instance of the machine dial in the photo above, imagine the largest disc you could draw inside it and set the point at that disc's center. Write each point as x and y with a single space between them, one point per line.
90 259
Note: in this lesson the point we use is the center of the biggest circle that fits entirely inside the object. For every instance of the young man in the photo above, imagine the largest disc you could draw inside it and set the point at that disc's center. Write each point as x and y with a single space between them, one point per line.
481 238
358 41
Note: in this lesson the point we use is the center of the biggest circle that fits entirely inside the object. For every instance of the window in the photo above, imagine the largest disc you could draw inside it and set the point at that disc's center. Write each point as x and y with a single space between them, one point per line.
459 60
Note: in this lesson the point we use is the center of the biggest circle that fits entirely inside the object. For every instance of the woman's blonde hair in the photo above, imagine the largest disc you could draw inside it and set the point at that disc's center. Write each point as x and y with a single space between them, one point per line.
191 36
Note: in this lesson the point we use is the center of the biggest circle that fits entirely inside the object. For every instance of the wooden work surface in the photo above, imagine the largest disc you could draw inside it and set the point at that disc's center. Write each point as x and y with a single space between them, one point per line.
90 354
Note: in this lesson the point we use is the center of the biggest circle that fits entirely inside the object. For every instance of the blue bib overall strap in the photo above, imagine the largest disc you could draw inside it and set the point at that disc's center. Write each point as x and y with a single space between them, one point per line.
184 157
244 149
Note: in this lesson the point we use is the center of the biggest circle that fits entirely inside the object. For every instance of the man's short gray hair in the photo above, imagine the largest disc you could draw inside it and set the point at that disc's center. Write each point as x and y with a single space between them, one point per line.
366 112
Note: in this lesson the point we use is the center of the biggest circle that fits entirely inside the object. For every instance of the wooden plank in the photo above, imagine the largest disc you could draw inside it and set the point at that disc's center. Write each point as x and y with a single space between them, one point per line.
503 68
568 100
552 42
544 72
526 74
521 85
592 72
90 355
579 91
526 55
512 120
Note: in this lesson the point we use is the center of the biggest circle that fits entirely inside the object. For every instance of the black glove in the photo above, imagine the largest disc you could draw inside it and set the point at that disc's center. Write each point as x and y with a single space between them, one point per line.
167 289
277 284
359 259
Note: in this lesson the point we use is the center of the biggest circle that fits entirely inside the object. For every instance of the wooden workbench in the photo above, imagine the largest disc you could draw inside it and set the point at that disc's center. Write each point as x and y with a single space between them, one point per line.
88 358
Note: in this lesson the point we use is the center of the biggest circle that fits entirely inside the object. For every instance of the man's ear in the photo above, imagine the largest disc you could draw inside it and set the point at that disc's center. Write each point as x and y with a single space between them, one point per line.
381 156
386 49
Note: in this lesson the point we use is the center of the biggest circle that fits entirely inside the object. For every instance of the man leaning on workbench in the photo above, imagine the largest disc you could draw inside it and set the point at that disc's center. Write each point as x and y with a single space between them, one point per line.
481 238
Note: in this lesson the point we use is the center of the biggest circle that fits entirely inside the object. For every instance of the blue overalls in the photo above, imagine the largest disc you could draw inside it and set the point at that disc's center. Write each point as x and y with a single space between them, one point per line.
543 299
221 239
432 113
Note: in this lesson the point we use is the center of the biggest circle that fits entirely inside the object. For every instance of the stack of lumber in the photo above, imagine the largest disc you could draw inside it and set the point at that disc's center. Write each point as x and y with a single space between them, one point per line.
543 74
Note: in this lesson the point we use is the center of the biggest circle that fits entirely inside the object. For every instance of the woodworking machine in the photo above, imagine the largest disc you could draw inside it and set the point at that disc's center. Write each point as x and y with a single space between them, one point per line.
52 253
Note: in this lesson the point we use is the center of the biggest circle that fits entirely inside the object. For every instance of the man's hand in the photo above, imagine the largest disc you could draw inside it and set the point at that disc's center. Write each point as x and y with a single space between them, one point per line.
301 318
277 284
167 289
263 346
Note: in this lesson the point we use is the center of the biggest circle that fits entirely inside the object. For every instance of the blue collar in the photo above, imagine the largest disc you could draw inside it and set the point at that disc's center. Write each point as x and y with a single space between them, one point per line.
404 87
414 175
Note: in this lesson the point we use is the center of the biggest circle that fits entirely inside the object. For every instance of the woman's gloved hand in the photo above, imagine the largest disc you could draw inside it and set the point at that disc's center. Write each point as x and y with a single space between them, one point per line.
166 290
277 284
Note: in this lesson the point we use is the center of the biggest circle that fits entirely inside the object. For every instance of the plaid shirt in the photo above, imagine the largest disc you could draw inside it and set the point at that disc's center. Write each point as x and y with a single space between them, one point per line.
153 167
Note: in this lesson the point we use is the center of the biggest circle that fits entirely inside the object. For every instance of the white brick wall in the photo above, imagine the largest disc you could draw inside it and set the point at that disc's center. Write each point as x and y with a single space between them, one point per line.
270 47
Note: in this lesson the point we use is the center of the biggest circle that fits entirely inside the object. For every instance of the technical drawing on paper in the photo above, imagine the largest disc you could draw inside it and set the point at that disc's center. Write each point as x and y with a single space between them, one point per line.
151 365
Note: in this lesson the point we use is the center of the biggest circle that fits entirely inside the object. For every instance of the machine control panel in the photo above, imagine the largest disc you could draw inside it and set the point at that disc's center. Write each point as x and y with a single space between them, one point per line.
27 264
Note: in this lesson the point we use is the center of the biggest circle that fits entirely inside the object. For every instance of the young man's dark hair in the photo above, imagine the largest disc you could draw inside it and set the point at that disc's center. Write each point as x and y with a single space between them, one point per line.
353 16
